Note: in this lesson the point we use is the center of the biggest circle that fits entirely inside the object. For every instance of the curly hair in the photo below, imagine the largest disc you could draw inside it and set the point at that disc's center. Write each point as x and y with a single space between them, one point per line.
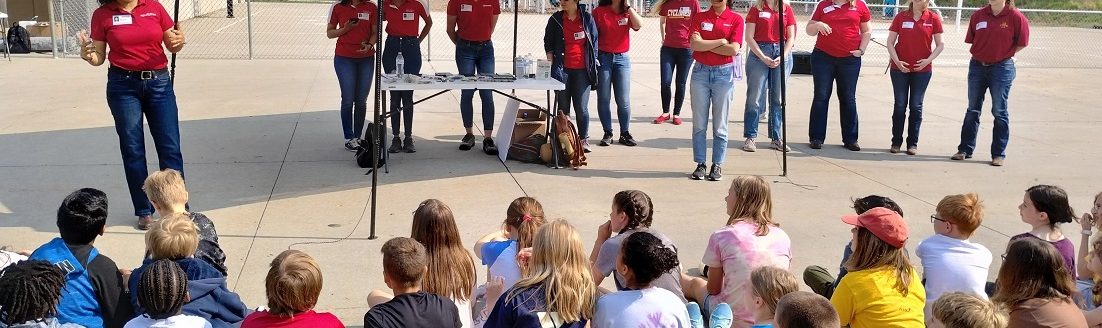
647 257
29 290
638 208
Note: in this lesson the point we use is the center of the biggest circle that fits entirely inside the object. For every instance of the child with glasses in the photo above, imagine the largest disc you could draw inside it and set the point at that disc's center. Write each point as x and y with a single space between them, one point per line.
951 262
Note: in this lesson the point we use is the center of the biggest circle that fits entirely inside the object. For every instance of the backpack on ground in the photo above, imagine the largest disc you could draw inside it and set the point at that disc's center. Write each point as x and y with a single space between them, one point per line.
566 136
527 150
19 39
368 148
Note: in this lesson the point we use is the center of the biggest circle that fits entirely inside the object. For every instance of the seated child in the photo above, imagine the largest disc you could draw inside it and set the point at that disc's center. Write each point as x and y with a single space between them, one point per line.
632 211
802 309
950 262
1044 208
93 295
882 289
770 284
162 292
29 291
498 251
293 285
961 310
404 266
642 260
165 190
176 238
818 278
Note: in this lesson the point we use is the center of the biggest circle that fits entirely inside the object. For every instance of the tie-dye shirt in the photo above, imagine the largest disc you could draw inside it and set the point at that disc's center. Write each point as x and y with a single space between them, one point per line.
738 250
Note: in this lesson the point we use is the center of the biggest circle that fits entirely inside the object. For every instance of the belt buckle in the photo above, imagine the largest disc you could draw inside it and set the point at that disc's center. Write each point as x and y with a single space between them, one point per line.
146 75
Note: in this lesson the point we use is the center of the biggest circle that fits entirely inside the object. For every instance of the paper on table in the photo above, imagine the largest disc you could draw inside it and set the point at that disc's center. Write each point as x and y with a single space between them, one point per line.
505 129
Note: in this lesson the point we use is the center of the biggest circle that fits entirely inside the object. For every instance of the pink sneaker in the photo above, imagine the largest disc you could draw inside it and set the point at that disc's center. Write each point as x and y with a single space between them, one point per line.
661 119
677 121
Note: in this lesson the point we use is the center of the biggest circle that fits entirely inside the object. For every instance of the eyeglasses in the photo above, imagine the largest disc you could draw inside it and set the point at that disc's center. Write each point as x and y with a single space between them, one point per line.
934 218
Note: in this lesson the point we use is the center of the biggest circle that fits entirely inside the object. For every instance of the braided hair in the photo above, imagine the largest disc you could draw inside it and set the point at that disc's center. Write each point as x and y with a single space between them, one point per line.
29 290
162 290
638 208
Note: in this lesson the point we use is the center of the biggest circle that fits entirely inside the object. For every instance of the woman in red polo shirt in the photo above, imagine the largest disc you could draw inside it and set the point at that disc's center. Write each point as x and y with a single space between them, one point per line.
842 27
138 85
763 73
402 19
615 18
716 39
911 67
675 56
996 32
352 23
570 40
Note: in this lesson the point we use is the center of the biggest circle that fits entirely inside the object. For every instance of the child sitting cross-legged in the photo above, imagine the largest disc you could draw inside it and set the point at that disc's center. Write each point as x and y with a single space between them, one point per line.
162 292
293 285
166 191
643 258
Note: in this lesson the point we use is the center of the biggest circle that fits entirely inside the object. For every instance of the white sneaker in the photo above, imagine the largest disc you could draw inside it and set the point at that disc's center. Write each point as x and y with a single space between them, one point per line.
749 145
777 145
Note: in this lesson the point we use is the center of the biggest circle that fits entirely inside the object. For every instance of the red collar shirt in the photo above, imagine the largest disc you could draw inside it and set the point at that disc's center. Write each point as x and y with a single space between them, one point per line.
133 38
727 25
765 23
474 18
995 37
915 37
349 44
403 20
612 30
679 25
845 24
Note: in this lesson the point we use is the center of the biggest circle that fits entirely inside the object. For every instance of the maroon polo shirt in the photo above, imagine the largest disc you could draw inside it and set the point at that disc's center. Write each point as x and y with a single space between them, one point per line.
994 37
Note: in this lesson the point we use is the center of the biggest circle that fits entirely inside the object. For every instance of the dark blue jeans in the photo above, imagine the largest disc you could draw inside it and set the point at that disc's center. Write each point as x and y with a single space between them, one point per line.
130 99
671 60
401 102
354 76
997 78
825 70
577 93
910 89
614 77
471 58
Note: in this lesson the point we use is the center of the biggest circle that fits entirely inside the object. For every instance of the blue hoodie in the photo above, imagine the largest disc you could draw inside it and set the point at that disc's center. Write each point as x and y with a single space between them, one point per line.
210 298
553 42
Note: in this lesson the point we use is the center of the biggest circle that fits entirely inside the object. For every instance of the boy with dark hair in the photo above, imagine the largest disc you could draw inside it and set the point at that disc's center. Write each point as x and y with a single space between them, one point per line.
162 291
805 310
29 291
93 295
404 265
817 277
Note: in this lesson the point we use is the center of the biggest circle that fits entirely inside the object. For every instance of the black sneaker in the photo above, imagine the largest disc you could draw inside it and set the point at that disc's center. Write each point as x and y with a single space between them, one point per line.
698 174
606 140
395 145
627 140
816 144
716 174
852 146
467 143
352 144
489 147
407 145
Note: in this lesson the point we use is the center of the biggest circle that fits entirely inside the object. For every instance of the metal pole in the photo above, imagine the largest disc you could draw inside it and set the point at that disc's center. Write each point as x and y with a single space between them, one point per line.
249 23
516 25
784 83
960 4
64 28
376 138
53 28
429 37
175 25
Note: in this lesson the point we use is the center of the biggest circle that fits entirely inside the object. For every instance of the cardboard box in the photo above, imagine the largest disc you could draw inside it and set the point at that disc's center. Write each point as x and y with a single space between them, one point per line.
42 29
522 130
531 115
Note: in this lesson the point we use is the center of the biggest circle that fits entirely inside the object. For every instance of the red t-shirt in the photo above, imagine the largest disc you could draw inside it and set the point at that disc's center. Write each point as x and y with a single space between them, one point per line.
403 20
765 23
133 38
994 38
915 37
714 27
308 319
679 25
349 44
845 25
612 30
574 42
473 19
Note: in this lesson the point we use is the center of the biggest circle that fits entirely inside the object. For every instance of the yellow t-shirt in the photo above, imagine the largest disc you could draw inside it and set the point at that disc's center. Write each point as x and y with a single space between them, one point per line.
868 298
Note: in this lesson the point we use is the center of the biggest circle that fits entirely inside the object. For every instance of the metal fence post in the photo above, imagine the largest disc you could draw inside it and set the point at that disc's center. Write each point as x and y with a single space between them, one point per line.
960 4
429 57
249 23
53 27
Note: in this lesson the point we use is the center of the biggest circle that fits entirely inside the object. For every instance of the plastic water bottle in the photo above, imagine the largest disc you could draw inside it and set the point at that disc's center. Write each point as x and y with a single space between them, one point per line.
400 64
518 65
529 66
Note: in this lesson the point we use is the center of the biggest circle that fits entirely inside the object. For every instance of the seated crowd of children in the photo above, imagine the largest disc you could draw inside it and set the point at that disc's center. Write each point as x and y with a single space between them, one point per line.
538 273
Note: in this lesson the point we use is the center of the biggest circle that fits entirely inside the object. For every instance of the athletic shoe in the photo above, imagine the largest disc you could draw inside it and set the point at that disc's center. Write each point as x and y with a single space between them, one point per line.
912 150
627 140
606 140
998 161
852 146
716 174
488 146
395 145
960 156
816 144
677 121
585 145
895 149
145 221
696 319
721 316
407 145
749 146
778 145
700 171
467 143
352 144
661 119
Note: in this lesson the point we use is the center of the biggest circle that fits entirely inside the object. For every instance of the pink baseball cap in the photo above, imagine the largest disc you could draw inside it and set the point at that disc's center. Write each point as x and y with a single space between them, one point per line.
883 223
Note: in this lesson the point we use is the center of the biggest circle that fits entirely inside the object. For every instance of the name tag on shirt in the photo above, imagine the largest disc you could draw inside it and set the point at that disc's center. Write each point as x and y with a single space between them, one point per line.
362 16
828 9
908 24
706 26
981 25
622 21
465 8
407 16
117 20
765 14
579 35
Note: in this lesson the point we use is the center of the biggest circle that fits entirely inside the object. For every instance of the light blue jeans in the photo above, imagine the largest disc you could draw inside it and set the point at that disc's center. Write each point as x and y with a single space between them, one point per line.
614 78
710 90
762 80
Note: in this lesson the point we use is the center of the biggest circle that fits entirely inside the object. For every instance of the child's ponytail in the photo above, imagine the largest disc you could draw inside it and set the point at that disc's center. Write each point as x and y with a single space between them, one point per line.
525 214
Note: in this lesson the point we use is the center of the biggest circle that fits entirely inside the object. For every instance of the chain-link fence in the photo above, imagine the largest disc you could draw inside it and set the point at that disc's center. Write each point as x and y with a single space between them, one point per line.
295 30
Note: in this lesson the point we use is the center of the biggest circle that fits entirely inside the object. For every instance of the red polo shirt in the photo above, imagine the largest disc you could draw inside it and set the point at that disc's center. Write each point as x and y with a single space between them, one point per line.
915 37
612 30
348 45
994 38
765 23
473 18
714 27
133 38
845 25
679 25
403 20
574 40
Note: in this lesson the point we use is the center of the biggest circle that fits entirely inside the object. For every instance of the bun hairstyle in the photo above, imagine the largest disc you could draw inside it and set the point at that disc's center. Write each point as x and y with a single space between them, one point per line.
965 211
638 208
526 215
1052 200
647 257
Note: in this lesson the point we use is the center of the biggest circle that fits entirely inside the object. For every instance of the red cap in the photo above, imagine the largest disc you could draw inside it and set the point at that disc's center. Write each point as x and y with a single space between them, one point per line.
883 223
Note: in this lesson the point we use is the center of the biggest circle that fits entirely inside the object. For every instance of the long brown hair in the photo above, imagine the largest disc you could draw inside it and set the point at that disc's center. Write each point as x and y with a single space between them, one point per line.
753 203
1033 269
450 268
559 266
526 215
870 252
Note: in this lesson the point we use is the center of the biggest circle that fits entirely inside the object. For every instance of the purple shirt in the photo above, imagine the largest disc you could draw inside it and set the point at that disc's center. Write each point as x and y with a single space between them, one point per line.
1066 248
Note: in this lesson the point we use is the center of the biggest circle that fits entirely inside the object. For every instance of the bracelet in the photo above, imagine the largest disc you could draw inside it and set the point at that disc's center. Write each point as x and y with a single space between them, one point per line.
1086 232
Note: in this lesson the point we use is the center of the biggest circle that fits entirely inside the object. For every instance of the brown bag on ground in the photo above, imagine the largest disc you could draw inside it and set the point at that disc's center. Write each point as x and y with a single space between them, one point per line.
567 136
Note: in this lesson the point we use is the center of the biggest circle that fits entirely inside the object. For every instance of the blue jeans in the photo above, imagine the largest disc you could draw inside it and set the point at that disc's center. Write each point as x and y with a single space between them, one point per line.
401 103
825 69
614 73
710 92
472 57
909 88
130 98
679 60
576 92
997 78
354 76
759 79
